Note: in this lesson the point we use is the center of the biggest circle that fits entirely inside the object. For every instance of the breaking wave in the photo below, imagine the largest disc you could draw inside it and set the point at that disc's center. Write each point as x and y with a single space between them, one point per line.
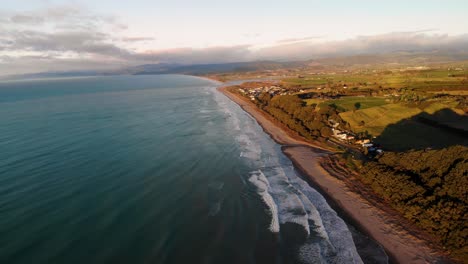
258 179
298 212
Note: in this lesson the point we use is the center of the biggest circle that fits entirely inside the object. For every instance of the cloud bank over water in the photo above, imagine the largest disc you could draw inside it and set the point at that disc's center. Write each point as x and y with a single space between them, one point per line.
74 38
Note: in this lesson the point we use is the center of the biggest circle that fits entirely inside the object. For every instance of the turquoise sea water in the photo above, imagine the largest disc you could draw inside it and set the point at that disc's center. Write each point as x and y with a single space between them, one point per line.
151 169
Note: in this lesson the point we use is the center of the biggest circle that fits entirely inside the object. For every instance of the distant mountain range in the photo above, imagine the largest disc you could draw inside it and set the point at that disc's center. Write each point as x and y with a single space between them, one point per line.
167 68
390 60
200 69
393 59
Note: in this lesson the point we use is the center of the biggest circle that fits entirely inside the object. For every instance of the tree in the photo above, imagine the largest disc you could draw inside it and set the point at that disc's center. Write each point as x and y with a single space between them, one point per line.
326 132
357 105
429 187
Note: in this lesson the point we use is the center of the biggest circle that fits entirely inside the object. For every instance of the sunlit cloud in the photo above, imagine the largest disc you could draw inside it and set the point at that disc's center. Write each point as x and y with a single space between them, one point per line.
72 37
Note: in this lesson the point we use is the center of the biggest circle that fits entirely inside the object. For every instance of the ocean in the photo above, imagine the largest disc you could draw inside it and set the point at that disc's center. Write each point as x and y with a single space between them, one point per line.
151 169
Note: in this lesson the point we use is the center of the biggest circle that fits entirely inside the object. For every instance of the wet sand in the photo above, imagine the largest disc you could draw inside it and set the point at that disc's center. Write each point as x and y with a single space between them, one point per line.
382 224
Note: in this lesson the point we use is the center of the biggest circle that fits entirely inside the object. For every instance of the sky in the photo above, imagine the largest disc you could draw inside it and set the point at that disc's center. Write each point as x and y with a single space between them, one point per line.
60 35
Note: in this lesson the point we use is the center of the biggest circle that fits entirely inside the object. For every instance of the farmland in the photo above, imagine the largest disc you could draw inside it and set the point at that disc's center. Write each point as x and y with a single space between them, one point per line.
429 80
398 126
349 103
395 107
410 126
375 119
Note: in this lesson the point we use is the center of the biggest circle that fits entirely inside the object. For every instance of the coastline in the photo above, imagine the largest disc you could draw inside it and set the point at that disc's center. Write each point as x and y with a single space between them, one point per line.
383 226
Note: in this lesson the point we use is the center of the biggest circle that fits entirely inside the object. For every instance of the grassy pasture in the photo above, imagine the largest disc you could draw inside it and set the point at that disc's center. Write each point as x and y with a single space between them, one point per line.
439 105
375 119
423 80
314 101
348 103
305 82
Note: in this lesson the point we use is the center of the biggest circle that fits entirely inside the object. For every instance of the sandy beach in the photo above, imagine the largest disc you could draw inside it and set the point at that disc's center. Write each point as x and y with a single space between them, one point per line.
381 223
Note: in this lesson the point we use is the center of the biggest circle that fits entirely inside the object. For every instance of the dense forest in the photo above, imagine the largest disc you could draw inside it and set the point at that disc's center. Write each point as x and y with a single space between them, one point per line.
430 188
309 121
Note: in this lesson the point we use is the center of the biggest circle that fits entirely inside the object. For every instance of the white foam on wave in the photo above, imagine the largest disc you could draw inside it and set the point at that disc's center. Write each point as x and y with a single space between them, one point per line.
225 106
205 111
245 129
338 233
250 150
258 179
289 198
215 208
290 206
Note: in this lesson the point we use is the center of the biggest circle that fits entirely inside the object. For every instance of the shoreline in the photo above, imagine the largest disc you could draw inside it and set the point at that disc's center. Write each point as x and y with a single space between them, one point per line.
383 226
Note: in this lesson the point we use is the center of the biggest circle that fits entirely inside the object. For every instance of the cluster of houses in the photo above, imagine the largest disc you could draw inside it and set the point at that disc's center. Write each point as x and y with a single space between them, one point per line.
372 148
349 137
273 90
456 69
342 135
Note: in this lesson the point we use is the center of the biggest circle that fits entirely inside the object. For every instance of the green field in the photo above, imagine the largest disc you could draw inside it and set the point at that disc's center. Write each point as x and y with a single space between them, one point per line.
348 103
375 119
314 101
422 80
306 82
438 105
376 113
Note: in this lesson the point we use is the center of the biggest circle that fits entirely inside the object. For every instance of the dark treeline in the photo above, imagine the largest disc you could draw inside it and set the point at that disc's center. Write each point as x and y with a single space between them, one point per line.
309 121
430 188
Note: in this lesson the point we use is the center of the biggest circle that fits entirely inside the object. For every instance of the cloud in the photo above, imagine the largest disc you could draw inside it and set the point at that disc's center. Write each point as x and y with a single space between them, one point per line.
71 38
64 37
63 16
137 39
26 19
385 43
200 56
290 40
66 41
64 29
420 31
302 49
